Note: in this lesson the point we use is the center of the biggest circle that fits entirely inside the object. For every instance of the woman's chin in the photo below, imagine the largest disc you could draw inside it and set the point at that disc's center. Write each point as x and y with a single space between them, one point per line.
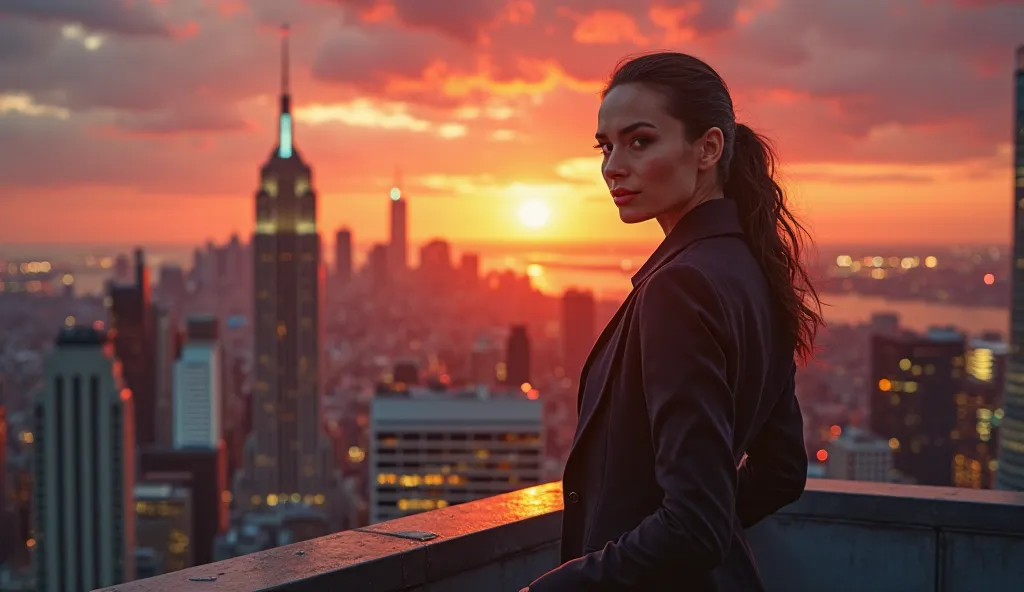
632 215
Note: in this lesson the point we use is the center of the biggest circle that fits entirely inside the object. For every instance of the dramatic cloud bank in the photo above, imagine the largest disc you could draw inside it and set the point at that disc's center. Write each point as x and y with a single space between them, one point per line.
879 108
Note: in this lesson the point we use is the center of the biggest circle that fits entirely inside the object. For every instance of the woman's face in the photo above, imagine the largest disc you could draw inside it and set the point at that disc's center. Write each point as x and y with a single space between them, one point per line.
650 168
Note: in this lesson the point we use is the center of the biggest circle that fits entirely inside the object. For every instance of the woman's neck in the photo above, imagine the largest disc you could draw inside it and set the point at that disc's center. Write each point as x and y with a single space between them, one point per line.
668 220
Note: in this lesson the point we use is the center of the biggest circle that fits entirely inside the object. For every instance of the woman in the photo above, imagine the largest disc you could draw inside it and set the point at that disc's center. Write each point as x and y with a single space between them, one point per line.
689 431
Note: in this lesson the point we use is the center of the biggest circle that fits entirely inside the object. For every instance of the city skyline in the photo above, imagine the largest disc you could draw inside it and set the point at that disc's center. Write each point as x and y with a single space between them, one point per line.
163 154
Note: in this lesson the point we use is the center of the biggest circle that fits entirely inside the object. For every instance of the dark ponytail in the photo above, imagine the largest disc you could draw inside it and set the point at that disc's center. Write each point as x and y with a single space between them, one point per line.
699 98
774 234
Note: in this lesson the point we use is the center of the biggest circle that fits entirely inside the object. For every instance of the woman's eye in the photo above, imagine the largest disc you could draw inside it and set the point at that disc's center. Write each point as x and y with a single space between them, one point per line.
639 143
604 148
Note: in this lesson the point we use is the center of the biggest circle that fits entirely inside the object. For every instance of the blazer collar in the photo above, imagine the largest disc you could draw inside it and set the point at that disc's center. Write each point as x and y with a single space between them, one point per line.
717 217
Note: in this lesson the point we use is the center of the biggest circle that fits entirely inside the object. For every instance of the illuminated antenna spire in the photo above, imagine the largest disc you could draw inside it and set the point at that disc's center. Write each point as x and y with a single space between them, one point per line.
284 126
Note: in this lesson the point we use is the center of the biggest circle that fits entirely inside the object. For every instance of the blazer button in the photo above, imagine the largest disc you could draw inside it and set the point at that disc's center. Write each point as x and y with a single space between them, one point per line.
573 497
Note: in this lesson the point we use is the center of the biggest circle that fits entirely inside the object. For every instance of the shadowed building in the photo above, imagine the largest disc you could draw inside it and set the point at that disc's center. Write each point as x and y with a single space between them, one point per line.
1010 473
84 445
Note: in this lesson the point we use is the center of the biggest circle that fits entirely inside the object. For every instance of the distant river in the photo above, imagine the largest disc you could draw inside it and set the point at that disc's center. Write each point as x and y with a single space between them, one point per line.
852 309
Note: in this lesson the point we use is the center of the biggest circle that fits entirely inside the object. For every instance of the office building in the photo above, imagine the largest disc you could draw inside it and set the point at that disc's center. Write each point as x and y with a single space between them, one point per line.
858 455
84 444
377 264
167 347
197 387
286 454
979 414
517 357
432 449
485 366
163 524
398 247
917 391
131 323
579 330
343 256
203 474
469 270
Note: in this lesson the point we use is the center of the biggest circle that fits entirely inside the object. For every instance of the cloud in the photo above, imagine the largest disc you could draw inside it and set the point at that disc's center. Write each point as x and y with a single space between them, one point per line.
389 116
364 113
463 20
113 16
180 121
511 85
24 104
608 27
370 55
23 43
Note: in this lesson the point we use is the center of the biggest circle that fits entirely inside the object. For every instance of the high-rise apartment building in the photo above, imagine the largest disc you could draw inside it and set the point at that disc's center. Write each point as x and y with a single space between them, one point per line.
84 446
1010 473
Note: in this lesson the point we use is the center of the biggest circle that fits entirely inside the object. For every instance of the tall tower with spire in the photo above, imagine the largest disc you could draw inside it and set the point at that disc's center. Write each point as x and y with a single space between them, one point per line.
398 250
286 457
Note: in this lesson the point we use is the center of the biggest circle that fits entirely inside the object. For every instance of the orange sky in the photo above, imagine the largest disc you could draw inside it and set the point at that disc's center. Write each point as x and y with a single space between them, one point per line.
146 121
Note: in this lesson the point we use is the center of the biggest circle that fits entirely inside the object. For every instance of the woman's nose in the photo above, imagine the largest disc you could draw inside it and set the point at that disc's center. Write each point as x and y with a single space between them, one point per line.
613 170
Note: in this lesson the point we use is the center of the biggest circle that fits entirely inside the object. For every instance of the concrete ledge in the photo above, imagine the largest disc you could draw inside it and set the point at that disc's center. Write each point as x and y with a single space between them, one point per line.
512 529
852 537
841 536
931 507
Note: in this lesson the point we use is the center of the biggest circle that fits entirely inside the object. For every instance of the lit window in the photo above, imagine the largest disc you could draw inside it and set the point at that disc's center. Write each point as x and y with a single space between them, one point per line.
270 186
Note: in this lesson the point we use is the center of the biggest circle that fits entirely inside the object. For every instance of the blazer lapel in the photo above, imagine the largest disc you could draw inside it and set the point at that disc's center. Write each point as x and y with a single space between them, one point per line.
611 329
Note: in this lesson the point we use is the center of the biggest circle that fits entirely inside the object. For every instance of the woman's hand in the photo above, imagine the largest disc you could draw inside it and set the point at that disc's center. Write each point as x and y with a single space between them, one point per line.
526 589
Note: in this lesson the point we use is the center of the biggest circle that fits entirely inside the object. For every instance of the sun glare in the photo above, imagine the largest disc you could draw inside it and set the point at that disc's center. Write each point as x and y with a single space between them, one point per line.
534 213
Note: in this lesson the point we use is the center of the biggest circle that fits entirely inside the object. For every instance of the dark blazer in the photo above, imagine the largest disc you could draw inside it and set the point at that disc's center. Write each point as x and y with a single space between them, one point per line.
689 429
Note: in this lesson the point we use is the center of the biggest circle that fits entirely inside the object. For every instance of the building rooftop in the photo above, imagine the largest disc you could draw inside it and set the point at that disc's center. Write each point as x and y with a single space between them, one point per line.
81 335
881 537
480 393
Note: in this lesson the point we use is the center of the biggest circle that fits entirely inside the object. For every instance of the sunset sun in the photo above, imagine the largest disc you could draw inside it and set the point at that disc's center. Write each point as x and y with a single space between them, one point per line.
534 213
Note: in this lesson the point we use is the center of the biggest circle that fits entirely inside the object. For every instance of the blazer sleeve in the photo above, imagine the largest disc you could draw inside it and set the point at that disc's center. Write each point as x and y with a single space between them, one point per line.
682 328
774 473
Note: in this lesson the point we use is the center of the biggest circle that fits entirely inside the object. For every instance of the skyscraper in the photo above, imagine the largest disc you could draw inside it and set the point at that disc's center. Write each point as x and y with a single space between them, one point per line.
398 249
579 331
84 443
3 466
916 396
197 387
1010 472
132 321
343 255
517 357
285 455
